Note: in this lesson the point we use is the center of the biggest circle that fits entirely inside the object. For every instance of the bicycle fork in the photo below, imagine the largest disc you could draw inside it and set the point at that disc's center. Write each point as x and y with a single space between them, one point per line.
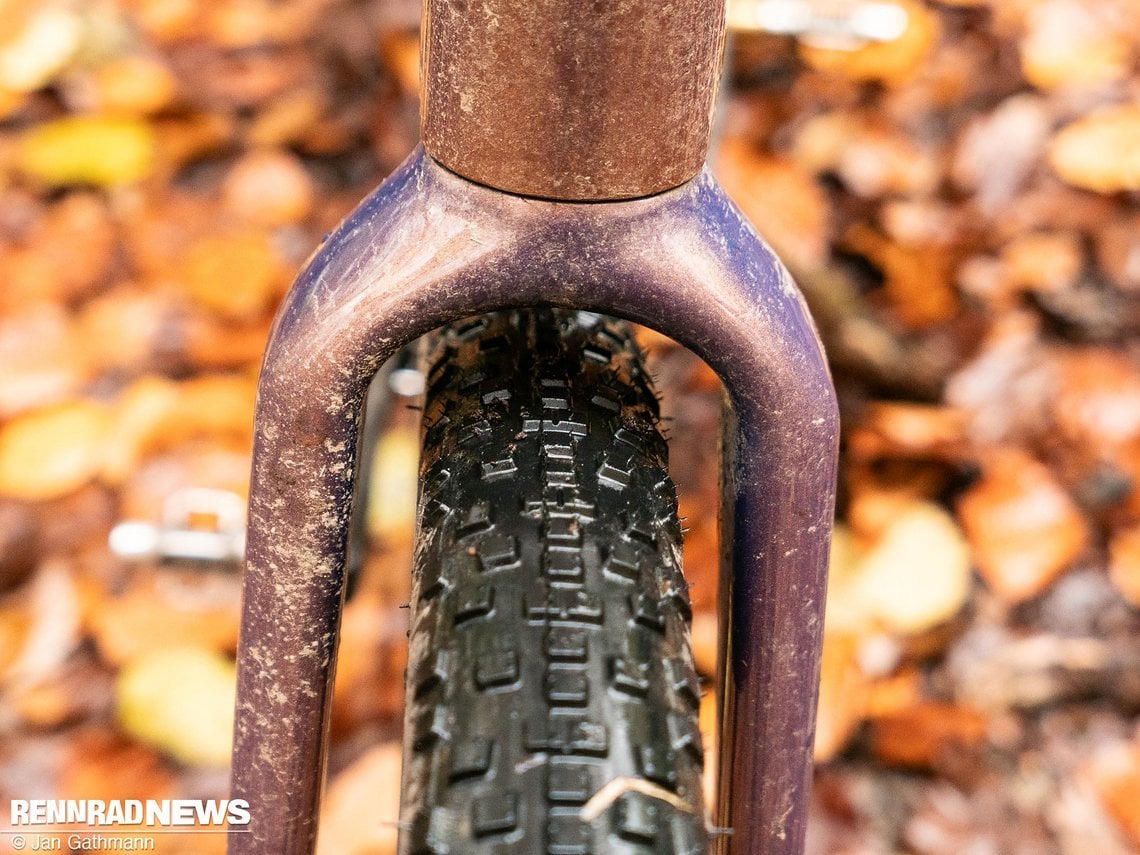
561 164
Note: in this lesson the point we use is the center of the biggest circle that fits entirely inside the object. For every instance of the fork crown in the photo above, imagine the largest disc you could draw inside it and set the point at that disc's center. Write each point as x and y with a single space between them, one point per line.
429 247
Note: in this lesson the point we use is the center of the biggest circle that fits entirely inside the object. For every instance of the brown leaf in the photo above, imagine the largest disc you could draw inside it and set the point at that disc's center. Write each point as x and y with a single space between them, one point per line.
166 20
65 255
44 361
917 573
998 150
362 808
843 693
287 120
104 765
19 544
81 690
1116 777
237 276
1071 45
152 614
918 280
920 736
1023 527
1118 251
270 188
872 158
903 429
185 139
124 328
1124 563
130 85
1043 261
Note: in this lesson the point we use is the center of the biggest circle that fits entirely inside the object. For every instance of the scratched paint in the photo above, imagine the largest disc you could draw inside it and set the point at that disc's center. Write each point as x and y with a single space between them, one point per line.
714 287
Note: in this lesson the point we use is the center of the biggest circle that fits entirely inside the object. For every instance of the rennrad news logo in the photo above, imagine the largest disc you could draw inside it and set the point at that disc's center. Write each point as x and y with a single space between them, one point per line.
98 813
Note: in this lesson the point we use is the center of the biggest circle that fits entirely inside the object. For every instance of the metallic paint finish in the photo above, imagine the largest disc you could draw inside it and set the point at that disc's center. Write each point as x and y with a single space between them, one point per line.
429 247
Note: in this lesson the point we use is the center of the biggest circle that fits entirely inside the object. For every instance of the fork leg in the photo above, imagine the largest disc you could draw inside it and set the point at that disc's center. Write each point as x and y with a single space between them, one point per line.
775 527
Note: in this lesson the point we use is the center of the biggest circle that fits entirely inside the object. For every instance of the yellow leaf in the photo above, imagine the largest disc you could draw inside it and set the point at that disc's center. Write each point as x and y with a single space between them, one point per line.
180 699
53 451
1100 152
395 480
918 574
98 150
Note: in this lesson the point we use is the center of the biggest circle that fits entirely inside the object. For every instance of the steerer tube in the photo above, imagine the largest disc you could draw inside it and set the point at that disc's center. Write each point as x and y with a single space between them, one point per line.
571 99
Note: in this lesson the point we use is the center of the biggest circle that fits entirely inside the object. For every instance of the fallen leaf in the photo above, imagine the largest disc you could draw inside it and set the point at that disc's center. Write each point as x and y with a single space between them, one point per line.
181 700
400 51
843 695
81 691
918 280
921 735
101 764
895 694
53 629
997 151
909 430
1124 563
20 544
1118 251
287 120
53 451
1043 261
917 575
1100 151
128 85
361 810
15 623
43 362
236 275
181 140
1072 44
101 150
1115 772
893 62
166 20
1096 402
123 328
217 406
268 187
143 413
1023 527
73 244
871 157
42 45
153 615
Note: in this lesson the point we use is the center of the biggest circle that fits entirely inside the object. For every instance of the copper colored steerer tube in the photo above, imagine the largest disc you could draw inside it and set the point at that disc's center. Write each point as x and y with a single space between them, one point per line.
571 100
